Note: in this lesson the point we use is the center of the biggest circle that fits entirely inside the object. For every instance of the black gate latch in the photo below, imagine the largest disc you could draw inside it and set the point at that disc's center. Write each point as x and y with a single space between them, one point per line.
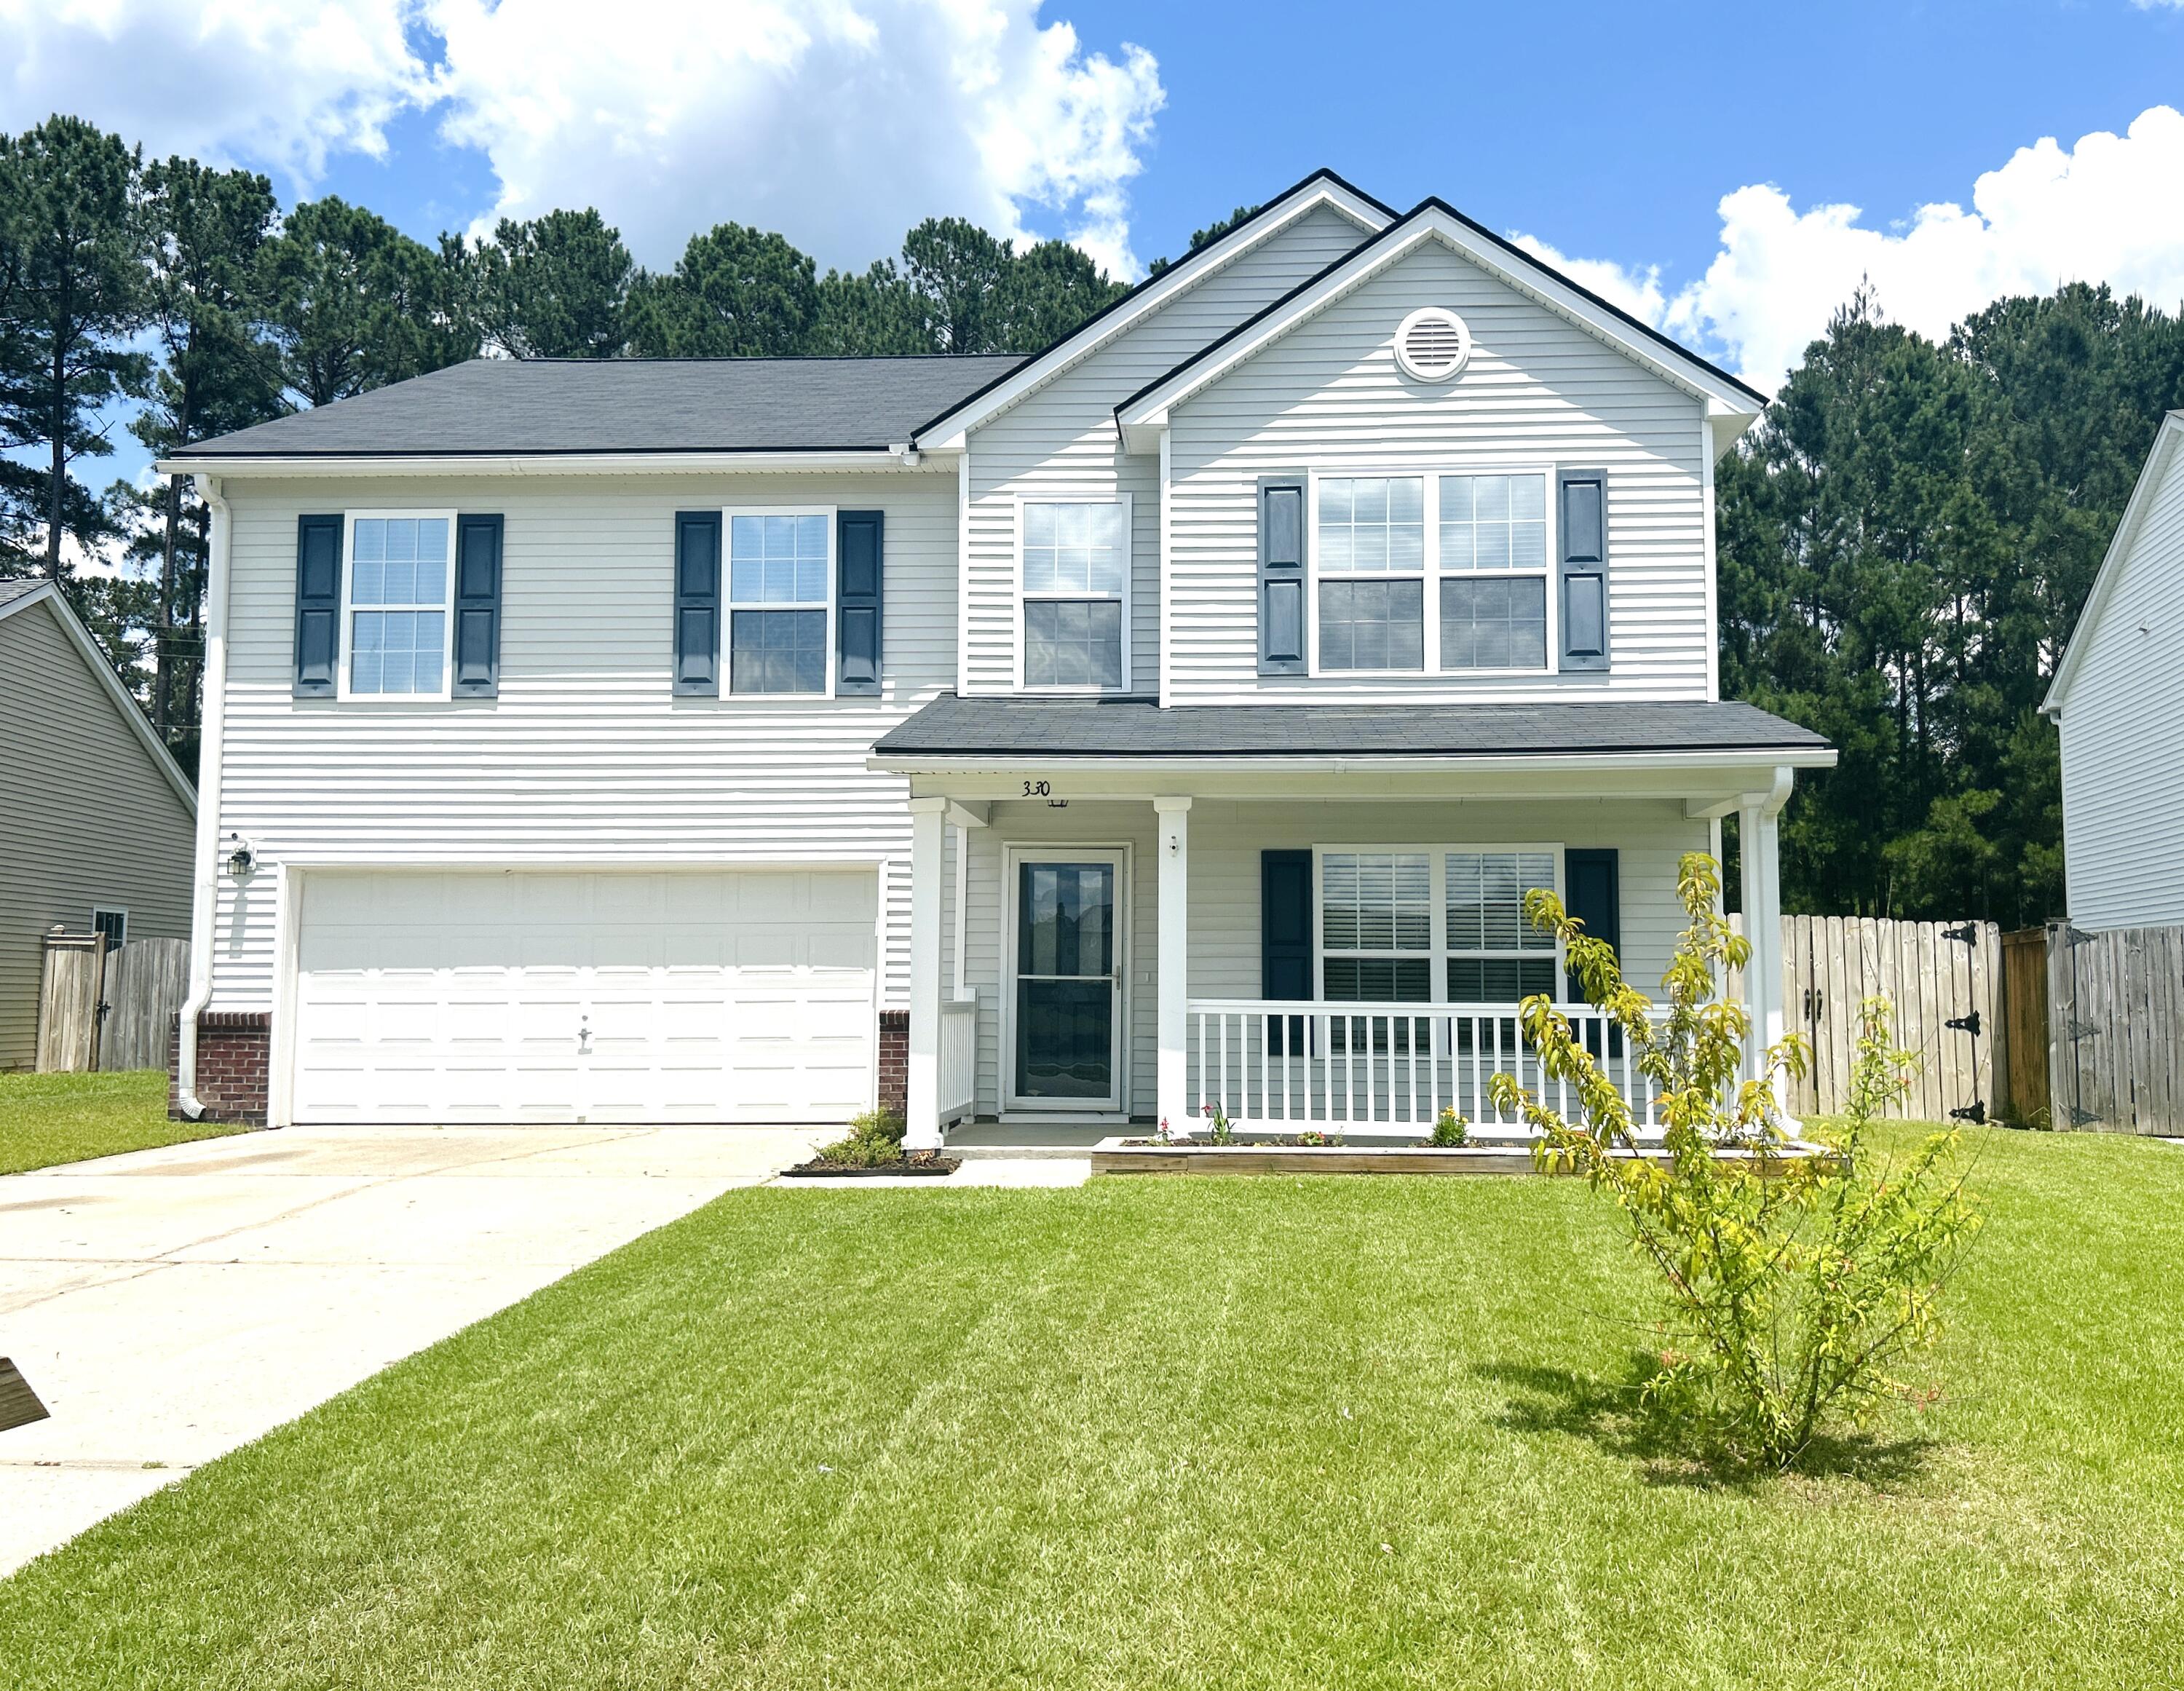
1966 1024
1974 1111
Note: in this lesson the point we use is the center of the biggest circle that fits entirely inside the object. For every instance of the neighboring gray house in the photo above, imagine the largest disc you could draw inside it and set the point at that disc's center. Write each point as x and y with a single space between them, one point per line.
96 820
2118 698
1175 716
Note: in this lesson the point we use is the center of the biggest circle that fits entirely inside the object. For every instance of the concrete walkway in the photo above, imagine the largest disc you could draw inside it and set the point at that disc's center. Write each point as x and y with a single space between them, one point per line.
170 1305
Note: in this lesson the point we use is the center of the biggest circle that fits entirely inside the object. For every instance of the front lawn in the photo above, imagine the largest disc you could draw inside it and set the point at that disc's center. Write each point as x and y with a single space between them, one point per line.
48 1119
1175 1433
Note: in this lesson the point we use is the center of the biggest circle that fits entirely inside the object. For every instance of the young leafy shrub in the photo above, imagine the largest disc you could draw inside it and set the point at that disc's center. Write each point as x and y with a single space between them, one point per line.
1450 1129
874 1141
1795 1284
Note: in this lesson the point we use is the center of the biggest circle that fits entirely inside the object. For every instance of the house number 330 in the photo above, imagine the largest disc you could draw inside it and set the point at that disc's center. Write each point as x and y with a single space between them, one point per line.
1038 789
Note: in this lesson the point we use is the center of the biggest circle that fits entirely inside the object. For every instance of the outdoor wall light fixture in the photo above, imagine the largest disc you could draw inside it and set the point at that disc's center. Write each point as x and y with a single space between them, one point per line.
240 858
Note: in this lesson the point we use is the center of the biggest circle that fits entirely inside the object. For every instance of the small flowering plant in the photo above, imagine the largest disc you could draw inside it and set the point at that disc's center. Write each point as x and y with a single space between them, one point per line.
1217 1124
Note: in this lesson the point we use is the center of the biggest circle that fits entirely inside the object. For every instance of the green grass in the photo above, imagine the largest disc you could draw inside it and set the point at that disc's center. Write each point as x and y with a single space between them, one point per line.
48 1119
1257 1433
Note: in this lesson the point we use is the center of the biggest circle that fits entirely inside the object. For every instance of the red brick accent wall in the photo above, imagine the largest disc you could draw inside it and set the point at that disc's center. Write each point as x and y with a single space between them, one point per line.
894 1060
235 1049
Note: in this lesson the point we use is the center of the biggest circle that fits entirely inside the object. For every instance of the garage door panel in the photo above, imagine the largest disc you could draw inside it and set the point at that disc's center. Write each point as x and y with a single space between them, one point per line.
732 995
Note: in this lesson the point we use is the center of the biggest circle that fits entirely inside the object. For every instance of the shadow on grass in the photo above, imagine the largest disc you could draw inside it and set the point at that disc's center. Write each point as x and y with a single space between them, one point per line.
1671 1448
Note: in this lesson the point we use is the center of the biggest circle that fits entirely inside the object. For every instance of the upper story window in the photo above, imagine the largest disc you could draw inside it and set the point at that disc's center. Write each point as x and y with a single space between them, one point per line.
1480 541
779 565
1076 595
396 616
1372 570
1493 572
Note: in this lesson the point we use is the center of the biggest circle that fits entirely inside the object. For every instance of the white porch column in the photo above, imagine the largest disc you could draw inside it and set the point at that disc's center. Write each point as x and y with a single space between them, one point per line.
1759 852
928 820
1173 835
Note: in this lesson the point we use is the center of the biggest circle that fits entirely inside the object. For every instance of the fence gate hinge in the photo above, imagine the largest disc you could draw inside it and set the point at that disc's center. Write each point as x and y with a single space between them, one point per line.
2073 937
1966 935
1974 1111
2080 1118
1965 1024
2075 1029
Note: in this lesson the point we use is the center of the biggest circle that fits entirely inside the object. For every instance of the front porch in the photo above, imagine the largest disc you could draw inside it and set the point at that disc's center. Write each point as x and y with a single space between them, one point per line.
1100 943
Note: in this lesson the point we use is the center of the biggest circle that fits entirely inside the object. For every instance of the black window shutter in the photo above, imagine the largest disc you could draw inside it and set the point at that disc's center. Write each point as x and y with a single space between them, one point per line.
1281 578
1592 879
477 606
698 602
862 573
318 605
1583 514
1285 941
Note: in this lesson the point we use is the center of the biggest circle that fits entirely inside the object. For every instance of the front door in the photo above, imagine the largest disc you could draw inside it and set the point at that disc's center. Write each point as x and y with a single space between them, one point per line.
1068 982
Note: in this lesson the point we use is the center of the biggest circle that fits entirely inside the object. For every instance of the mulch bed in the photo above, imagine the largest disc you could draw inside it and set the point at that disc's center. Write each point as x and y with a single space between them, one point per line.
921 1163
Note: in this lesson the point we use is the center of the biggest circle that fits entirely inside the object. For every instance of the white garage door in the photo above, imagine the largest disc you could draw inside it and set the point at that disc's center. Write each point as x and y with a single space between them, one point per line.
681 996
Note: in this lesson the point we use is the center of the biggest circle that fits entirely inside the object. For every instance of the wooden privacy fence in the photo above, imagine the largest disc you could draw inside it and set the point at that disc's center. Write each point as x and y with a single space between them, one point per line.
1944 980
2115 1028
108 1009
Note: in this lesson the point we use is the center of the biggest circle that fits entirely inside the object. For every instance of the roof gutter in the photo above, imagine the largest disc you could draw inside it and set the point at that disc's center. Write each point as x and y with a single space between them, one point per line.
1231 763
204 891
899 457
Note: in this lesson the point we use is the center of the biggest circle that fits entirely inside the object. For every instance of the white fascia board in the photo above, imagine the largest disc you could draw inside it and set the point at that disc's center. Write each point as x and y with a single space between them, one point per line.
892 460
1150 411
1720 763
2158 463
88 649
950 432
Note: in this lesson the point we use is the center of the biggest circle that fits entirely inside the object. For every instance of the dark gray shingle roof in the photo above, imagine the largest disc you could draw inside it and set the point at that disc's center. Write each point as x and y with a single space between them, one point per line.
19 587
492 406
951 726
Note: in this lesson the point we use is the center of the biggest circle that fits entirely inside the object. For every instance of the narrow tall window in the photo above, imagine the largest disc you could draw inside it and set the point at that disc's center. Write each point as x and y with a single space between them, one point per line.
1493 572
1371 549
397 583
778 568
1376 926
1076 576
1494 955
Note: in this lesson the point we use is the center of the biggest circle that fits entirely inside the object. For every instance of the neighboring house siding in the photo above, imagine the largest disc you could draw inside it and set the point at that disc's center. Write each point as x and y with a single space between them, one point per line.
1226 839
586 756
1061 443
1328 395
2123 734
87 817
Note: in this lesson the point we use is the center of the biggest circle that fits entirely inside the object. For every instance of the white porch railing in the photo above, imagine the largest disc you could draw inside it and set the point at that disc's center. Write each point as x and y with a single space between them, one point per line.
1389 1068
959 1058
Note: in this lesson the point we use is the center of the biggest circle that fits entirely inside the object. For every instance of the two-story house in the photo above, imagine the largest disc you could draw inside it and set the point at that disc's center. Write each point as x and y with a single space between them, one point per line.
1178 715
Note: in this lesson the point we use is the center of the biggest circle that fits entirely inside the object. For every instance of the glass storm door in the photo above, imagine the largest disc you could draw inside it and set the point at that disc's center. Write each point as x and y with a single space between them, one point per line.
1069 983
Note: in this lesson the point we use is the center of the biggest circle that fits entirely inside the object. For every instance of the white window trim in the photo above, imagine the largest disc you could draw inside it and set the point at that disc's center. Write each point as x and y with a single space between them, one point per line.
1431 573
729 606
345 636
1129 570
121 911
1437 953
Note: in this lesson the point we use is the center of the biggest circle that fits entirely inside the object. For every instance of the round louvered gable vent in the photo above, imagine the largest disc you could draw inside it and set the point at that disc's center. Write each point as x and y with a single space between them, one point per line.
1433 345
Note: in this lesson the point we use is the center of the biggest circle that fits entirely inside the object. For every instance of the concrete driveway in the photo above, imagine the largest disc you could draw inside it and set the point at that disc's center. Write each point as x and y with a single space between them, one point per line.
170 1305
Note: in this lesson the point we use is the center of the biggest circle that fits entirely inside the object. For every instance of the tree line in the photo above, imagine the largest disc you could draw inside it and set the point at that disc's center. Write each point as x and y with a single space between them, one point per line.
181 301
1904 540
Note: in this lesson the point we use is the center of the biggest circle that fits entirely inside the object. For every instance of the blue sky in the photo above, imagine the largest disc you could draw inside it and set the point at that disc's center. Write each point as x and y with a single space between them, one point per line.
1693 162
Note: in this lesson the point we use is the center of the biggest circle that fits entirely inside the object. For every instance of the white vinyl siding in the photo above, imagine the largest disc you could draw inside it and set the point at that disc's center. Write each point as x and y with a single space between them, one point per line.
2123 732
72 840
587 756
1059 443
1538 392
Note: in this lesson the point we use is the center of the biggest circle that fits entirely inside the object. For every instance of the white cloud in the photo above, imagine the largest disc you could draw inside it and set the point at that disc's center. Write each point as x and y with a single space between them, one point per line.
1638 292
2108 210
839 124
278 84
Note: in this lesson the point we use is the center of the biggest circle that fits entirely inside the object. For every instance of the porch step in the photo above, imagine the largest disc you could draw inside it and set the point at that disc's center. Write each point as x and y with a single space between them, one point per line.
992 1139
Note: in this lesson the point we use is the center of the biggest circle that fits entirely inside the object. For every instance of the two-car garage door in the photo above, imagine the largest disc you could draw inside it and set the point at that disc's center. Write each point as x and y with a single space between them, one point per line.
698 995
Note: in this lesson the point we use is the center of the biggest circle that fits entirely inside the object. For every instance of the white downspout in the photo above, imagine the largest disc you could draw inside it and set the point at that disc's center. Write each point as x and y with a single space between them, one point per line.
204 901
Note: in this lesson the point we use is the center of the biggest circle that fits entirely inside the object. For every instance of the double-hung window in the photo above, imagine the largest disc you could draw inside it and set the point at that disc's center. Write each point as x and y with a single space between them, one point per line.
1371 573
1441 925
396 614
1076 595
1493 548
779 566
1495 954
